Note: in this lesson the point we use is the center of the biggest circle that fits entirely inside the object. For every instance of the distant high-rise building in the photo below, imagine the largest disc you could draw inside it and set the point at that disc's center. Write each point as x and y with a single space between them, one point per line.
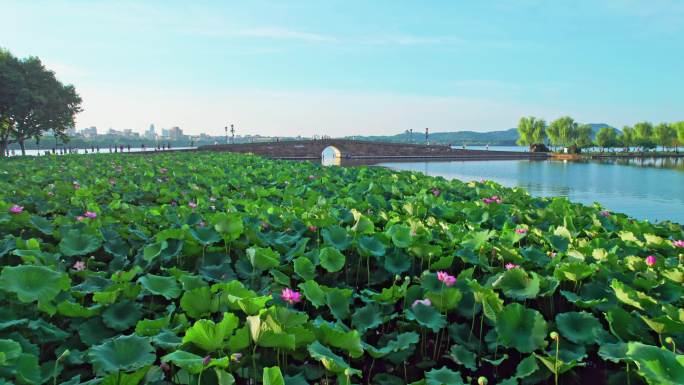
175 133
89 132
151 132
164 133
71 131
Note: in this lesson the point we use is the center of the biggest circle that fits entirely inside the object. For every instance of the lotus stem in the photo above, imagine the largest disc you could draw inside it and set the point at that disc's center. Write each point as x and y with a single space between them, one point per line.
554 336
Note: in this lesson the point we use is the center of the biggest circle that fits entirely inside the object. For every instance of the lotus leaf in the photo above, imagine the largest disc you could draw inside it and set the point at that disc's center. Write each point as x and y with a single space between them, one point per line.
123 353
78 243
521 328
33 283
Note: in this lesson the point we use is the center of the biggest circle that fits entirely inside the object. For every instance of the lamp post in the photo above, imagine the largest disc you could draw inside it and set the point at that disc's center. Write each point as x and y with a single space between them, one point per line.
426 137
232 132
226 128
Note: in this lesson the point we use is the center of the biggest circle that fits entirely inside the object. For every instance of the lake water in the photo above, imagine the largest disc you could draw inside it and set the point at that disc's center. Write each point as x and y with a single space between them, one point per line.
651 189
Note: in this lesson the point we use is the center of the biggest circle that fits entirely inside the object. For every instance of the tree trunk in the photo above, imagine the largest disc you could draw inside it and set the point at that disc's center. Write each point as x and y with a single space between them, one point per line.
3 148
23 147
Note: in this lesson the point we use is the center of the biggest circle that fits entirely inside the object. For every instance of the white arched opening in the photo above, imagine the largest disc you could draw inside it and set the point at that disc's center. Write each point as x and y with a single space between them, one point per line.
331 156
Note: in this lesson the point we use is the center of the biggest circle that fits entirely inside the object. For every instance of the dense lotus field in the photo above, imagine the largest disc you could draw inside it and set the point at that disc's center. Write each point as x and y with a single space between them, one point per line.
207 268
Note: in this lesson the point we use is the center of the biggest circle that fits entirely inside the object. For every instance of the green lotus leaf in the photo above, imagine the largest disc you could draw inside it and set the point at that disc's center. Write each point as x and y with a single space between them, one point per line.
336 237
209 336
230 226
205 235
126 378
579 327
42 224
521 328
625 326
27 369
77 242
613 352
278 340
447 299
193 363
657 365
397 262
117 247
122 315
338 303
9 350
632 297
330 360
199 302
371 246
559 366
474 240
518 284
263 258
463 356
580 302
664 324
33 283
443 376
575 271
272 376
334 336
526 367
167 340
427 316
363 225
401 235
331 259
403 341
304 268
74 310
123 353
167 287
313 293
150 328
367 317
152 251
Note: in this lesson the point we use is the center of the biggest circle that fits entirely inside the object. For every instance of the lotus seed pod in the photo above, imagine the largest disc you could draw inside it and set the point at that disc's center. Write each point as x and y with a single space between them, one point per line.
64 355
482 381
669 340
553 335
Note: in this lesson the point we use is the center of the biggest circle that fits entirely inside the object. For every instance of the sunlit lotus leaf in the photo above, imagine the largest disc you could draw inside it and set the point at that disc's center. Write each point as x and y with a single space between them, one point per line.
401 342
400 235
338 303
273 376
330 360
657 365
205 235
463 356
230 226
33 283
193 363
77 242
521 328
152 251
263 258
210 336
371 246
426 316
304 268
367 317
518 284
42 224
123 353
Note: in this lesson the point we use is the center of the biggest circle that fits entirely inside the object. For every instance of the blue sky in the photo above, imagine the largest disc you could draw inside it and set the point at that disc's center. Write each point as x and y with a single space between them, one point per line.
357 67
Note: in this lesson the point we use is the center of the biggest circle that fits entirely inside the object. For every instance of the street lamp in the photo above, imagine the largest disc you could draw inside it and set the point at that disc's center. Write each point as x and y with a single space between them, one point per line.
226 128
426 136
232 132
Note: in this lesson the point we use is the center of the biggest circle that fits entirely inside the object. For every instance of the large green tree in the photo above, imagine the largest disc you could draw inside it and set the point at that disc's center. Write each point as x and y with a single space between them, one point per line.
644 134
565 131
583 136
33 101
679 127
665 135
531 131
606 137
628 138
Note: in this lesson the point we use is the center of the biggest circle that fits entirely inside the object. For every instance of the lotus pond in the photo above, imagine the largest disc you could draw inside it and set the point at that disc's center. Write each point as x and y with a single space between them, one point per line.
213 268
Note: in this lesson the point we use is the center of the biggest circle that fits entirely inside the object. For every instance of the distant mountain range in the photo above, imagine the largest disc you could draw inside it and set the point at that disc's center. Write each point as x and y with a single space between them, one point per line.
493 138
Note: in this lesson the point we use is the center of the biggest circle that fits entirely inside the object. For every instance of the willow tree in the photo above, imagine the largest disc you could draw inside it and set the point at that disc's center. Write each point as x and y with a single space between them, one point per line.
665 135
628 138
606 137
531 131
679 126
643 132
565 129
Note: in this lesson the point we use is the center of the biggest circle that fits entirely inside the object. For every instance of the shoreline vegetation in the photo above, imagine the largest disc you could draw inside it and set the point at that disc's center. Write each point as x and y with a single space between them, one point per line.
204 268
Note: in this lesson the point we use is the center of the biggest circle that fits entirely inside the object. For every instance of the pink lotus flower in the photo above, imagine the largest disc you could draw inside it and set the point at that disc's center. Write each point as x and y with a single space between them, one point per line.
163 170
553 254
16 209
604 213
90 214
201 224
313 229
424 302
50 194
164 366
483 180
521 230
436 192
678 243
76 185
651 260
511 266
311 177
445 278
290 296
487 201
79 266
80 218
493 199
192 204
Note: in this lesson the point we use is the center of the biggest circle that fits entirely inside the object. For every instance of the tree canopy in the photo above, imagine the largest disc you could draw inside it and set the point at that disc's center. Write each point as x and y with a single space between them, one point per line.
531 131
33 101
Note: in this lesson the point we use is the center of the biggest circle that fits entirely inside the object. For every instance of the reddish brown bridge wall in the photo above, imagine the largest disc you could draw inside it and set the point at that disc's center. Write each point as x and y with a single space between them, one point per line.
355 149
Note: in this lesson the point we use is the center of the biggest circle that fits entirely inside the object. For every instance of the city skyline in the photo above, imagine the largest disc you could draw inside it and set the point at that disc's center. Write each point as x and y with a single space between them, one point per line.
308 68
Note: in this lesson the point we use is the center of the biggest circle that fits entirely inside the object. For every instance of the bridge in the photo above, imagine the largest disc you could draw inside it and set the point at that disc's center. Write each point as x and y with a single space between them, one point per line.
347 149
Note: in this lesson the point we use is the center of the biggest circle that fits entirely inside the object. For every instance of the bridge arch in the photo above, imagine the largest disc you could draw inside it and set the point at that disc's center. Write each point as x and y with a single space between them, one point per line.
331 156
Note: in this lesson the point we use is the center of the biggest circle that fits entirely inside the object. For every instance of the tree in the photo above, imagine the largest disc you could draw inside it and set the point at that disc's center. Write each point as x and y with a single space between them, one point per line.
679 127
606 138
531 131
565 130
33 101
628 138
583 136
644 134
664 135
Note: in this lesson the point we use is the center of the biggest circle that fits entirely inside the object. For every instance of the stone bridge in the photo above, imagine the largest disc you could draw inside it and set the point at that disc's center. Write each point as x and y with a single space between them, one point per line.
356 149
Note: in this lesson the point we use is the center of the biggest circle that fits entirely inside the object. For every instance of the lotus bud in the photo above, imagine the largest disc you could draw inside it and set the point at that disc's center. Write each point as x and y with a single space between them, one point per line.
164 366
554 336
64 355
206 360
669 340
482 380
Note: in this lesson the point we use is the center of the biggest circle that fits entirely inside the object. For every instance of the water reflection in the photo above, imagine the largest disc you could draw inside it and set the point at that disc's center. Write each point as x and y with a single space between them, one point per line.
650 189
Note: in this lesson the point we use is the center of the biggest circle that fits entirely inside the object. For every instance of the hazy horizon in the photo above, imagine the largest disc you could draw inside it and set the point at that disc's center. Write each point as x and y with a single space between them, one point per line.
356 68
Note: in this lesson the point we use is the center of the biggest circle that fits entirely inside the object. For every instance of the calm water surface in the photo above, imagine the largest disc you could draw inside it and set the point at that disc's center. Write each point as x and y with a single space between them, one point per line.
650 189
